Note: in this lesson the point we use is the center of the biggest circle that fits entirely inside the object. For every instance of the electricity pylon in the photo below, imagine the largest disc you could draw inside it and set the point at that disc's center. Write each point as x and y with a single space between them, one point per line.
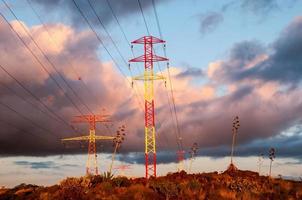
91 164
192 152
148 77
117 141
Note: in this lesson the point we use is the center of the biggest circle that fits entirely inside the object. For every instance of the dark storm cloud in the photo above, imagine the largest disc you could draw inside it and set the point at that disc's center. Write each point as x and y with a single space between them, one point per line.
162 157
282 65
122 9
286 146
41 134
246 51
210 21
205 121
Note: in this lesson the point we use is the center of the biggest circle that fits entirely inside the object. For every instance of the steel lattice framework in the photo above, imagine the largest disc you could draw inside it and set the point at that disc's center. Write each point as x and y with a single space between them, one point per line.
148 77
91 164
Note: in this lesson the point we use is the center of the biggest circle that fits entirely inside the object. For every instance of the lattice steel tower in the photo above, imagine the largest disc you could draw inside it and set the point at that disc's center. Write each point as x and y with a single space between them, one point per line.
148 77
91 164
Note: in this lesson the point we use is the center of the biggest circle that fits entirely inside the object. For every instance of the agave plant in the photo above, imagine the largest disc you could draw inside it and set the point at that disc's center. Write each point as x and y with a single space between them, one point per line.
107 176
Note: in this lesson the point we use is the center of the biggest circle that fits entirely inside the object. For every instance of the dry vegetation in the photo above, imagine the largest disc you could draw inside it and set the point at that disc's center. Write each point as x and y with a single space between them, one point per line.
228 185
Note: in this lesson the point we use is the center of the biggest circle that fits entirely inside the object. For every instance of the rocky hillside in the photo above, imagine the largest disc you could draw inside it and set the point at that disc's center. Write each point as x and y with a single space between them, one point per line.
231 184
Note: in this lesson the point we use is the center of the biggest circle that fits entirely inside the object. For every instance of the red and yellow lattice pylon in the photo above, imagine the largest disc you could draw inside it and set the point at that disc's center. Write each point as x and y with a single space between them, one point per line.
91 164
148 77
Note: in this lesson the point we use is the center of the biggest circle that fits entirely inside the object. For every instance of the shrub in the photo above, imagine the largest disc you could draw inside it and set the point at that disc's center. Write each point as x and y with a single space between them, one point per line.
121 181
71 189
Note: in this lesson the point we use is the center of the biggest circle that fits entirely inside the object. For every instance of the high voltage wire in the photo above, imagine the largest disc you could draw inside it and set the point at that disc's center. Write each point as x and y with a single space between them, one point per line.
107 32
22 130
26 118
117 20
77 74
157 20
103 26
102 43
51 64
36 98
169 76
45 69
143 15
54 42
37 59
123 33
94 33
27 101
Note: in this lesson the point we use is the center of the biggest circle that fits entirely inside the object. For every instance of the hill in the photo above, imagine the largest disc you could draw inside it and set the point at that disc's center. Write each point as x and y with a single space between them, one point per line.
231 184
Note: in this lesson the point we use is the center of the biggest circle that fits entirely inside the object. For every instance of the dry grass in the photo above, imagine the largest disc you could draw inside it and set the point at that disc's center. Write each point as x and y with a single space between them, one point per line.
230 184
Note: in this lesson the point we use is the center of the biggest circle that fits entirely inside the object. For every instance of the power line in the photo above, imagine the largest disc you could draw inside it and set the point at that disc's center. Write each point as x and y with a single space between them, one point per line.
35 97
169 76
143 15
102 43
28 91
157 20
107 32
103 26
123 33
48 32
26 118
97 36
27 101
54 42
22 130
117 20
37 59
114 44
53 66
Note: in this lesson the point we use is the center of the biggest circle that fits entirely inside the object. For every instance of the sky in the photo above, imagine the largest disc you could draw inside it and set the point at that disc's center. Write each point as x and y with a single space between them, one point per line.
227 58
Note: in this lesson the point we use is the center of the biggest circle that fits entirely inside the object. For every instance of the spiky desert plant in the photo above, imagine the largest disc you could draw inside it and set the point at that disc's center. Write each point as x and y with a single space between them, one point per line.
271 156
107 176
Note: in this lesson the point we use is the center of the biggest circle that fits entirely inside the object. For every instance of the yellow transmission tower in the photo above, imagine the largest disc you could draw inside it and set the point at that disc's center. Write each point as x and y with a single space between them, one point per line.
91 164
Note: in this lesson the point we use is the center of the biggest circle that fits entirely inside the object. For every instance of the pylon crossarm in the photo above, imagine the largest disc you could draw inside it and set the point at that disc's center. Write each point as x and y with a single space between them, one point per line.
149 77
88 118
100 137
81 138
148 40
144 58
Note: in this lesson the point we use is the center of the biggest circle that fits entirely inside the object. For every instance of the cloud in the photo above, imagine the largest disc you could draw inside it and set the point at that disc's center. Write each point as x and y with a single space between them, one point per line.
80 51
286 146
190 72
210 21
259 6
122 9
281 63
205 112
